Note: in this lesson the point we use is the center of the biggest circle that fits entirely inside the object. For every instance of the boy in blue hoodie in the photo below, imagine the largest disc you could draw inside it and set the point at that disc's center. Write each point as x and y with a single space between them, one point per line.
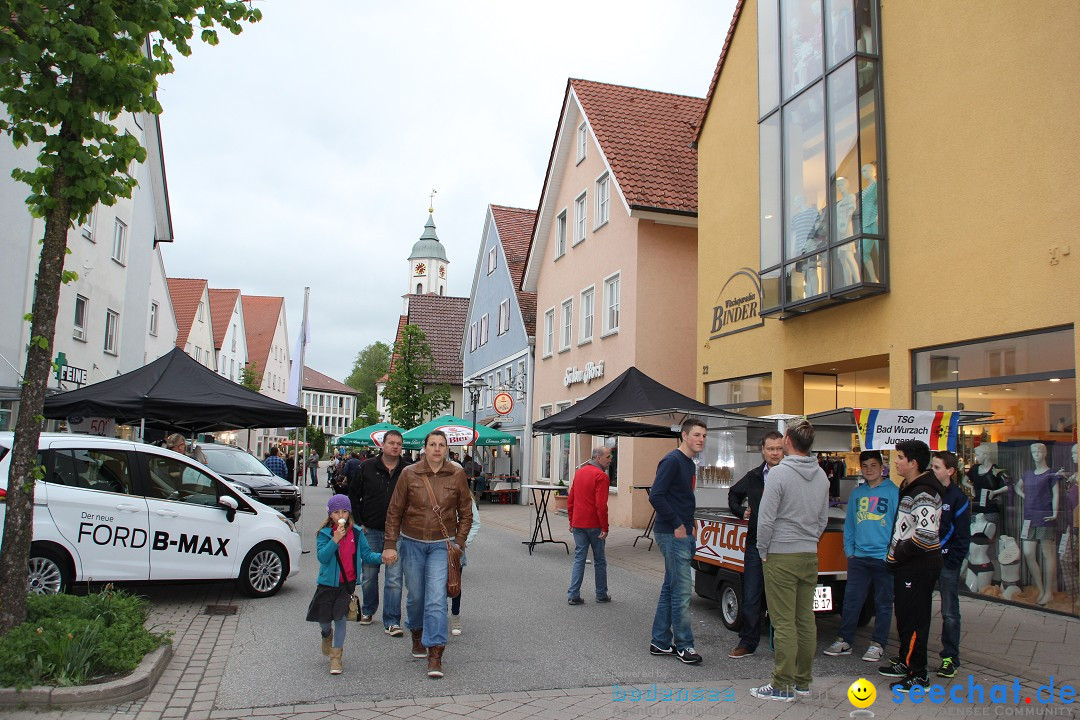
955 533
871 511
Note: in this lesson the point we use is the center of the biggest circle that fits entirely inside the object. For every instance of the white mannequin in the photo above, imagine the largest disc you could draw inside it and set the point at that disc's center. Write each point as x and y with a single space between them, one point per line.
1044 573
1009 556
845 256
869 197
979 565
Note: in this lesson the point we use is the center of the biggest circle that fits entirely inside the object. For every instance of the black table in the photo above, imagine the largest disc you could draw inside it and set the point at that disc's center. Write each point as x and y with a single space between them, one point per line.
652 518
542 520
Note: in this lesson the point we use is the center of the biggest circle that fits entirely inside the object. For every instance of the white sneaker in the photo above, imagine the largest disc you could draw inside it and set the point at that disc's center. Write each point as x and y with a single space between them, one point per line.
874 653
839 647
455 625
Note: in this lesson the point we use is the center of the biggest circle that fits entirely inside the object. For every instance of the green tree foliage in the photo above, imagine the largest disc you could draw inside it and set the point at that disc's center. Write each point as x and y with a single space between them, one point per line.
67 70
371 364
410 392
250 377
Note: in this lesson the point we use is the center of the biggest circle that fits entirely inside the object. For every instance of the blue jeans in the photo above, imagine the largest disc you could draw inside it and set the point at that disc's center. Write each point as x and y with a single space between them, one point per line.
753 590
339 628
391 609
671 625
424 567
585 538
862 572
313 471
950 612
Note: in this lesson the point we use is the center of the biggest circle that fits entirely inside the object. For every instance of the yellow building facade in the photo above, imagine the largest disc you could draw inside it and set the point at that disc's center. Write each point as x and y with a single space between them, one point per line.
887 203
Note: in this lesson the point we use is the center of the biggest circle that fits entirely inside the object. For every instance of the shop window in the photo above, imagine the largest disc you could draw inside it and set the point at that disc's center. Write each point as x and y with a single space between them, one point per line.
750 395
545 447
1021 466
821 226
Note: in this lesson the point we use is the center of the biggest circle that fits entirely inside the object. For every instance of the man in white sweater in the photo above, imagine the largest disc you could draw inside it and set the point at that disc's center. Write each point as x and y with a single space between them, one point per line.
793 514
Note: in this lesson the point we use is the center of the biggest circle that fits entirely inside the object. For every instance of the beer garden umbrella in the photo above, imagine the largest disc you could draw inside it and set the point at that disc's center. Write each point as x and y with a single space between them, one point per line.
370 436
458 432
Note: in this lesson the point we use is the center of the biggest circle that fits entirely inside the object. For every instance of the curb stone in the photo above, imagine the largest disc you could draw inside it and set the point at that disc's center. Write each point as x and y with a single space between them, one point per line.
133 686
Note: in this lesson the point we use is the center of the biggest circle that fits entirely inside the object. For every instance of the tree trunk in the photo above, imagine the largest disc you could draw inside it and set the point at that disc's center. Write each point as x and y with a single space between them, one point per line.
19 523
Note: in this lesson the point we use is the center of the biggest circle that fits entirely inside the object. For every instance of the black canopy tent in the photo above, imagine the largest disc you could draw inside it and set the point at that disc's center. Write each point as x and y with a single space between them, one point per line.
176 393
632 395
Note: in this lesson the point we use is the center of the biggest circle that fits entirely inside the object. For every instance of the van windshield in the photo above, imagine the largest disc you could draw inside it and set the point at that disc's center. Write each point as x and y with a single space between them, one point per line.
232 462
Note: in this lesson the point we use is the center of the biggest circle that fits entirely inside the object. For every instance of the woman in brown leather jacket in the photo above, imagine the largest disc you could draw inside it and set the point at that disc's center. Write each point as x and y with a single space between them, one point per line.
421 528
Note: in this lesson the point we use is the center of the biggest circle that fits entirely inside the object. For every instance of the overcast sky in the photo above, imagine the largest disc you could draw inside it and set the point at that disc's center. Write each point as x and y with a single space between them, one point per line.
302 152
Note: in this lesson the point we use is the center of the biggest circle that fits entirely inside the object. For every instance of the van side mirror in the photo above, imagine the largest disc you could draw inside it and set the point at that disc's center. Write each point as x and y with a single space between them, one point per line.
230 505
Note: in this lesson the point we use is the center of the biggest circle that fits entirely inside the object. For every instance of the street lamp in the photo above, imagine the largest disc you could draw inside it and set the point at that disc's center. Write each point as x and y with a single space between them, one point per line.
475 386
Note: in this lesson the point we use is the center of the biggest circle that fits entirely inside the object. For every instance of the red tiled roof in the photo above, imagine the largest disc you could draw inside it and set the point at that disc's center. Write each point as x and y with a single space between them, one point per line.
646 137
315 380
515 227
186 294
260 322
403 320
222 303
442 318
719 67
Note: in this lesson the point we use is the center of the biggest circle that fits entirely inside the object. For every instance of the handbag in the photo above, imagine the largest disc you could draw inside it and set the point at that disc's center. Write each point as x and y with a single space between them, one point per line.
453 552
350 587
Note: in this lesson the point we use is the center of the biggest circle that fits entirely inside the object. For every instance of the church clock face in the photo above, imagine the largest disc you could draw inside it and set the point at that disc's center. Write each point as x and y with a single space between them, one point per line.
442 271
420 269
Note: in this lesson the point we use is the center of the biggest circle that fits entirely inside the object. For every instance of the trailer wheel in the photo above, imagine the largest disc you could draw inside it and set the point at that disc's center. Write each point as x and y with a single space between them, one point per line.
731 606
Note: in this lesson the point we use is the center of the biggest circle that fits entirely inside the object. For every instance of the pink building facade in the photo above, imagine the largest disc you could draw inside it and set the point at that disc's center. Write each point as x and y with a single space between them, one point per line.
613 262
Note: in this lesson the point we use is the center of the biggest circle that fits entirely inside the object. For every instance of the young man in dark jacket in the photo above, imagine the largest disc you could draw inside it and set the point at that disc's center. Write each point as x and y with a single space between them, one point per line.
672 496
371 484
915 559
744 499
955 534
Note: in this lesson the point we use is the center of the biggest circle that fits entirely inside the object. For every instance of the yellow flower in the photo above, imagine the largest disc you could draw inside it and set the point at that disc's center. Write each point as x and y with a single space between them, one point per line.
39 631
70 636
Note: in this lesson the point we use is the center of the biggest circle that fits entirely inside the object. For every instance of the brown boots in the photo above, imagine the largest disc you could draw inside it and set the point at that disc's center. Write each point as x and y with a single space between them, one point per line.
335 660
434 661
327 643
418 649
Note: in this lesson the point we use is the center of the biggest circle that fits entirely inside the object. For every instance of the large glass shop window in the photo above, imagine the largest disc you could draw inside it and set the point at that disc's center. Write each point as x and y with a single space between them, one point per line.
1021 467
822 220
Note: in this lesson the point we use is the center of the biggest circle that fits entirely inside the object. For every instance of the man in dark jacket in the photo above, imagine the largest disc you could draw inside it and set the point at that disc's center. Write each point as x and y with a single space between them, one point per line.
955 532
371 484
915 559
744 499
672 496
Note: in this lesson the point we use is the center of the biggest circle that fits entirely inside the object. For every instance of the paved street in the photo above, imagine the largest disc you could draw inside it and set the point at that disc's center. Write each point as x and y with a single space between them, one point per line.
524 652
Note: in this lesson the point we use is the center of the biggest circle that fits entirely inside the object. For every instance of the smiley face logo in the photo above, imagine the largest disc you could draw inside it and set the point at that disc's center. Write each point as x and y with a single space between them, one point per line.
862 693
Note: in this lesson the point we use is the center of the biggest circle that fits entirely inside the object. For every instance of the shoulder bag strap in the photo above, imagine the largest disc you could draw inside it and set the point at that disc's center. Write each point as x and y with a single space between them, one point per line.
435 506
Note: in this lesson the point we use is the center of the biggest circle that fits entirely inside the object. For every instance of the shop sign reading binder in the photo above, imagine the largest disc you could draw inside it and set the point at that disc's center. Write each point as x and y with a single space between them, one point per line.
882 429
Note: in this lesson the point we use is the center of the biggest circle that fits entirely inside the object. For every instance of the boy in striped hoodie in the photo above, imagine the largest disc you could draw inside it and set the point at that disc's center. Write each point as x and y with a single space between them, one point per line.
915 559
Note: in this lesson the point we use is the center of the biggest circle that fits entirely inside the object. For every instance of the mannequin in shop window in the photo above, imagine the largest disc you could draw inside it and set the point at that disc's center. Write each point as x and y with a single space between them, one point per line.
869 197
845 211
806 47
987 482
1039 490
1068 548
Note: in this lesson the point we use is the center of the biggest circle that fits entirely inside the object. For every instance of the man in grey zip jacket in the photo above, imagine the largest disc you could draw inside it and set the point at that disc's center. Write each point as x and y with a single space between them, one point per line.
793 514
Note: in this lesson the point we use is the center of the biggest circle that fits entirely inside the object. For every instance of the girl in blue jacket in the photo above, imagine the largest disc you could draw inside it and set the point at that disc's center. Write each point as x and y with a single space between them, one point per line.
341 549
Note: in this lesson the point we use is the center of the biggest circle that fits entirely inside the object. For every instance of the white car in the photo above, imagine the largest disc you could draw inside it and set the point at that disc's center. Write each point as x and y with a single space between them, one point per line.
112 510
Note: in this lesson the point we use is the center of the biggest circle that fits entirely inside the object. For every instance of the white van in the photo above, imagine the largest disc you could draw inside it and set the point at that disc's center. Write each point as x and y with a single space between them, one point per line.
113 510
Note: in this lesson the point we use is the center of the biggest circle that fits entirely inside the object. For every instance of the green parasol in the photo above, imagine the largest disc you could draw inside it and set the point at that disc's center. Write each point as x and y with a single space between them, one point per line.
458 432
370 436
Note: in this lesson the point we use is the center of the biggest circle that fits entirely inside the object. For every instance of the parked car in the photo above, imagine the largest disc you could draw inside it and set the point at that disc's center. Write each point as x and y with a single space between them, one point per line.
252 478
112 510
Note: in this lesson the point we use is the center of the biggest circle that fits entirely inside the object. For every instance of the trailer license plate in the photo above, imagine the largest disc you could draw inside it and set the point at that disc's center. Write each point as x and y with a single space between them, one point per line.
822 598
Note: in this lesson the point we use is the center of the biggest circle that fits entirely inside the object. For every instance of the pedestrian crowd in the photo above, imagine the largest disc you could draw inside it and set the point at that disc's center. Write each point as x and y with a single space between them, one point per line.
901 542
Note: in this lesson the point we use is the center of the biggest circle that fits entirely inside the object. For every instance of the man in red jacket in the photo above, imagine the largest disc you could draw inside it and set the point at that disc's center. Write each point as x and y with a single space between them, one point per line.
587 508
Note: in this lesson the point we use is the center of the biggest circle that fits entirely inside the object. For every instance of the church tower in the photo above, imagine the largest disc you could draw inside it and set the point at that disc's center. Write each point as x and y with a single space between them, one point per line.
427 263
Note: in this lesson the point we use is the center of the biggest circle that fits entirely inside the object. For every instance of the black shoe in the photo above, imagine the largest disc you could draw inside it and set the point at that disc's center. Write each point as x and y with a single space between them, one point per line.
947 669
654 650
689 656
606 598
894 669
575 601
909 682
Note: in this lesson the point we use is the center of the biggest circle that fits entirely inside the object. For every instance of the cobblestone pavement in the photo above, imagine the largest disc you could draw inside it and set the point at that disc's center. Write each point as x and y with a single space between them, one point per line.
525 654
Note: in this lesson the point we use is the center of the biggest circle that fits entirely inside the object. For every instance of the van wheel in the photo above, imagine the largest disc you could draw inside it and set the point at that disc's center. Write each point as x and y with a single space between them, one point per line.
731 606
47 572
263 571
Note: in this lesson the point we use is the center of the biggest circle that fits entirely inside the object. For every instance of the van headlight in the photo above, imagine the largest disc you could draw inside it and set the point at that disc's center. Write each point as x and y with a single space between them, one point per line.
288 523
243 488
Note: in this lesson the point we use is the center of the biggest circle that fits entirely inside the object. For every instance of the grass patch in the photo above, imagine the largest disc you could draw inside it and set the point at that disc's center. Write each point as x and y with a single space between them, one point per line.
70 640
